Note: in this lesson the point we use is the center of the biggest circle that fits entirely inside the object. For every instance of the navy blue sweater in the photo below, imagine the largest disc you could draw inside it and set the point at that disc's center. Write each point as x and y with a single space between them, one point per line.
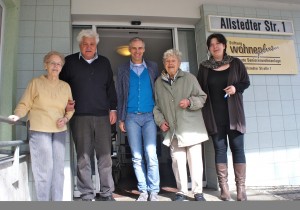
92 85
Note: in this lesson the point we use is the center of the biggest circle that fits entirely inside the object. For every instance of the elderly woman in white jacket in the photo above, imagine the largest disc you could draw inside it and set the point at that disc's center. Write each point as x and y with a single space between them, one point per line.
179 99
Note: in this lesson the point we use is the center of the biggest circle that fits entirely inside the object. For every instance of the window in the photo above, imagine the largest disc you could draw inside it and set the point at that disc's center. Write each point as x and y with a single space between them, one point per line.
187 46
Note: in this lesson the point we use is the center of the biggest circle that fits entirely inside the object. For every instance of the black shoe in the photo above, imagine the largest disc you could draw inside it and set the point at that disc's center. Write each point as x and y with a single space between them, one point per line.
107 198
179 197
87 199
199 197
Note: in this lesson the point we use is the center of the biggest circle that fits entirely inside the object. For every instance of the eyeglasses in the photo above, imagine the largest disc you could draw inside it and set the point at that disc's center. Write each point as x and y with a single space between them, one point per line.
52 63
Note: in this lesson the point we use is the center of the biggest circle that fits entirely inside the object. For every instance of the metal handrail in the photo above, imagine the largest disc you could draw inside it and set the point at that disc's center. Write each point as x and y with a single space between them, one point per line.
9 121
10 156
13 143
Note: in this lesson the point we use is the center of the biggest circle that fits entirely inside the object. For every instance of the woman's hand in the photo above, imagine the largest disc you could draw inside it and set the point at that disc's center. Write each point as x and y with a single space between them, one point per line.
230 90
13 117
61 122
164 126
184 103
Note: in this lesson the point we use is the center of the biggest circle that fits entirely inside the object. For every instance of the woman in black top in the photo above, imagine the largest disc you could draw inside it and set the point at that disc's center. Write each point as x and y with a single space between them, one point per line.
224 79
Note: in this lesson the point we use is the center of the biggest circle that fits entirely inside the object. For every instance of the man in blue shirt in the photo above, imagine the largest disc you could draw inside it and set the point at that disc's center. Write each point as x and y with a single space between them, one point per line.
135 93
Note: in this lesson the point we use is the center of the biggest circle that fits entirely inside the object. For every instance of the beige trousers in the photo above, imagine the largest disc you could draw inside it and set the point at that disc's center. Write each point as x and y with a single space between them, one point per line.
180 157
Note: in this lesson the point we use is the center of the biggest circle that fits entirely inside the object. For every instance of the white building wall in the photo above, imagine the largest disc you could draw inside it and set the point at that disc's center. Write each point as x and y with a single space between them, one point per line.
272 108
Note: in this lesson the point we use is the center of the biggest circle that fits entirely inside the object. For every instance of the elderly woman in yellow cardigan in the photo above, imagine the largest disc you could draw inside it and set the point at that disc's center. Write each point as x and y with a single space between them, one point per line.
45 100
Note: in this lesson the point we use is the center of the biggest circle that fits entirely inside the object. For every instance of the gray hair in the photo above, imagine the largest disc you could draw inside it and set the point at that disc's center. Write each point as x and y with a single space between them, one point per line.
88 33
136 39
172 52
51 53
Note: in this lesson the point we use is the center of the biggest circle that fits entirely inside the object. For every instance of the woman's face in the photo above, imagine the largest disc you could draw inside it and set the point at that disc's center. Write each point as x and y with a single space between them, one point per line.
172 65
216 49
54 66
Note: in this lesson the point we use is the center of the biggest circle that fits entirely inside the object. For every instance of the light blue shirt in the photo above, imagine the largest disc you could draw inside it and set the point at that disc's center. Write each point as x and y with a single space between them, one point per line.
138 68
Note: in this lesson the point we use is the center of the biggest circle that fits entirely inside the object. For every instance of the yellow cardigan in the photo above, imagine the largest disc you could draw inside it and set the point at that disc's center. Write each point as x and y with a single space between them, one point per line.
45 102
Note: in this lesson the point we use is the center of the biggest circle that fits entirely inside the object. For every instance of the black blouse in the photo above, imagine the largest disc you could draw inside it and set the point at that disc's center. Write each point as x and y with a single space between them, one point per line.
217 81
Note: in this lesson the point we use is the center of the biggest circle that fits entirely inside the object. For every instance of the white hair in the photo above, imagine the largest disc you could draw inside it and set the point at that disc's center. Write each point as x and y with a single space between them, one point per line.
88 33
172 52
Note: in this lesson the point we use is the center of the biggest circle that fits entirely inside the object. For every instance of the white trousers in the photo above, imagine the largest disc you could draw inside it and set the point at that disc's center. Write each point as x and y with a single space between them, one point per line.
180 157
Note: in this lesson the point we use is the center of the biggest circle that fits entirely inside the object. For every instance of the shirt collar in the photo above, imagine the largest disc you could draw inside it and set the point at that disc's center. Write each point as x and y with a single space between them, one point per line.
91 60
138 65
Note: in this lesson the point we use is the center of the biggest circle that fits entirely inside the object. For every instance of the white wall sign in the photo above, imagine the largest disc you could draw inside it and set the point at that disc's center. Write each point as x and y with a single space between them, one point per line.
250 25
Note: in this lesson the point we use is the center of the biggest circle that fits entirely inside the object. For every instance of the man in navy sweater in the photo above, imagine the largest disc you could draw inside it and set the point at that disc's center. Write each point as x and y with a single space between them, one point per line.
135 90
91 80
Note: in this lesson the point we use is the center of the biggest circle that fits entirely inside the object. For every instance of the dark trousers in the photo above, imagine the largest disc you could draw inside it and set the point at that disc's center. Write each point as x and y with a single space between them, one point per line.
91 133
236 144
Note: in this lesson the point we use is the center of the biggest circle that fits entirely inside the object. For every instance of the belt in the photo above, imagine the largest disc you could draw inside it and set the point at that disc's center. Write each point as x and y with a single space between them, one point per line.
140 112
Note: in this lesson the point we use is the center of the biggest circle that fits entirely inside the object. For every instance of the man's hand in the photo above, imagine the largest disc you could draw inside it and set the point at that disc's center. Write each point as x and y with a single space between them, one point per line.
70 106
122 126
112 117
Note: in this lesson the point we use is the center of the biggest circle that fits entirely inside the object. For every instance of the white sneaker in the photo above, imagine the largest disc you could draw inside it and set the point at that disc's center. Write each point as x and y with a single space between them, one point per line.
153 196
143 197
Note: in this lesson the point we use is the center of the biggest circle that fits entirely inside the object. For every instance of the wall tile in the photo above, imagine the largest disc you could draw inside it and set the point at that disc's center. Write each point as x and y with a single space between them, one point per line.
251 141
26 45
262 108
42 45
260 93
265 140
275 108
289 122
26 28
44 2
43 29
273 93
28 2
291 138
61 13
277 123
61 29
44 13
25 61
23 78
287 107
286 92
61 44
27 13
263 124
249 108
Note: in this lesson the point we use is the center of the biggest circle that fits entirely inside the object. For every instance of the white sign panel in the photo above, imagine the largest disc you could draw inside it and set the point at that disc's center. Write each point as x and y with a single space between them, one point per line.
250 25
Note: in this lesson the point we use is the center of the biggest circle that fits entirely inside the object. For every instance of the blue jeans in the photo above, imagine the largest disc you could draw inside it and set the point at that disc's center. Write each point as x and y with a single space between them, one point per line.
141 131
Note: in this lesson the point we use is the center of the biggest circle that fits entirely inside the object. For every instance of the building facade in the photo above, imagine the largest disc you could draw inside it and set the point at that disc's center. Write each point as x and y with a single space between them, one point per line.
31 28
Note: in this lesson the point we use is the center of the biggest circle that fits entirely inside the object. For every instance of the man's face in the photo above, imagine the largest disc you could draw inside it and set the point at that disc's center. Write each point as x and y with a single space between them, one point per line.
137 50
88 47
